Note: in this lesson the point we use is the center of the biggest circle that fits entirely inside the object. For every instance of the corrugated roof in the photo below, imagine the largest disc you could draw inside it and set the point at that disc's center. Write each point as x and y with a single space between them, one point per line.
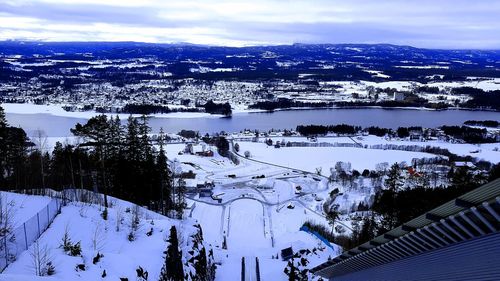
485 193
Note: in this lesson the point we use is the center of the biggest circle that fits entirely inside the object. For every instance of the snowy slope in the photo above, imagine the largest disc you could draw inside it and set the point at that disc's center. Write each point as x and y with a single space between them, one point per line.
84 223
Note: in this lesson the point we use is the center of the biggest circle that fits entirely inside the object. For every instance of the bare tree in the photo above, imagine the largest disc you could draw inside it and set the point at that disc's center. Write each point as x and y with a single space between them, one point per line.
119 218
7 212
41 260
98 237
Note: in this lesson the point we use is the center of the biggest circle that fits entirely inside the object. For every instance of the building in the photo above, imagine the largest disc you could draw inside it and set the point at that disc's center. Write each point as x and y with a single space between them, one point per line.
399 96
205 192
286 253
459 240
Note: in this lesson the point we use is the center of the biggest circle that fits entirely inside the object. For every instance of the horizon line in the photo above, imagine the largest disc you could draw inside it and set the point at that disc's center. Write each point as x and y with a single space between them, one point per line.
246 45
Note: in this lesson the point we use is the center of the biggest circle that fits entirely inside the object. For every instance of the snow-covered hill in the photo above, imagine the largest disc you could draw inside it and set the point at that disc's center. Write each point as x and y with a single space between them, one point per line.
129 238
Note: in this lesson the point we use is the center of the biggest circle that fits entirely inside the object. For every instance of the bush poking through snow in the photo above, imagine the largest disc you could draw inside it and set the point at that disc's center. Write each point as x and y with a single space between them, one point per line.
104 214
131 236
224 243
80 267
150 232
50 269
75 250
97 258
66 241
71 249
142 275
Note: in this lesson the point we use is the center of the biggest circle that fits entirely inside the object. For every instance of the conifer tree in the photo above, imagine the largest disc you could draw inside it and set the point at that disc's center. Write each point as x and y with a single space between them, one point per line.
173 269
3 119
162 166
394 181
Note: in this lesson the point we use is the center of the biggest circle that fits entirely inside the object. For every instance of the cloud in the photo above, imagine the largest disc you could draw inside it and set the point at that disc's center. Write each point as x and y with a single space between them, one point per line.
424 23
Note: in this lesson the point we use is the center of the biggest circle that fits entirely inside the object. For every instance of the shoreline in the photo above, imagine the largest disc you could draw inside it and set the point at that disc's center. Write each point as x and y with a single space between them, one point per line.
57 110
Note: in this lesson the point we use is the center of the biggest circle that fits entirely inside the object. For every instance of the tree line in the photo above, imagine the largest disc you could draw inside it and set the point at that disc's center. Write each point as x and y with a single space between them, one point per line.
395 204
113 159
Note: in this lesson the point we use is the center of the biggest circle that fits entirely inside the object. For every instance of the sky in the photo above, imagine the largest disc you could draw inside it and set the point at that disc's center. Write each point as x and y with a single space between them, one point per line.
449 24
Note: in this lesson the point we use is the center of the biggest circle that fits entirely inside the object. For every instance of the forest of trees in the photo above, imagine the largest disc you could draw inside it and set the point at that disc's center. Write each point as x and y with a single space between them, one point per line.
114 159
284 103
485 123
480 97
468 134
151 109
218 108
314 130
396 205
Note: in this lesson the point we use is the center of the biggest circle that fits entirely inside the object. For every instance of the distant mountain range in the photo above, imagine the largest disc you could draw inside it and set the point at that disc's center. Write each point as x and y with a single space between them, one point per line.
319 61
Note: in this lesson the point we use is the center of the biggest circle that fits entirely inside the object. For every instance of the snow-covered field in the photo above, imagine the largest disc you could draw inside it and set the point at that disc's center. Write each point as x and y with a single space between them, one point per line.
485 151
22 207
311 158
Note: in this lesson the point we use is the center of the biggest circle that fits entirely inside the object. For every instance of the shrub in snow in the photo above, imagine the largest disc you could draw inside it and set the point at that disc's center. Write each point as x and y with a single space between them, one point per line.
103 275
293 271
131 236
224 243
50 269
248 154
68 246
150 232
97 258
75 250
142 275
80 267
66 241
104 214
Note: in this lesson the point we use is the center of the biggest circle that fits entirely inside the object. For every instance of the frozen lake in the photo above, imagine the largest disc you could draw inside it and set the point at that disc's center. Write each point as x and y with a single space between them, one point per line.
58 126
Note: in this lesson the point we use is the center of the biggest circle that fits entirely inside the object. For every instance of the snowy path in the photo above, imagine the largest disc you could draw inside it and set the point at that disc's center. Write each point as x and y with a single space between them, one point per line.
282 203
246 227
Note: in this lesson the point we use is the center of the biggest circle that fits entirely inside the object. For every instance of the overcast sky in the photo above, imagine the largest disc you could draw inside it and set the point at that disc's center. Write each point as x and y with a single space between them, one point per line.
421 23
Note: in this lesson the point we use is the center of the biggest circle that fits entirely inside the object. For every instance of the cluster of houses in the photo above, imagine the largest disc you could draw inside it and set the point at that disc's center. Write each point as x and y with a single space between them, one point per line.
198 149
203 188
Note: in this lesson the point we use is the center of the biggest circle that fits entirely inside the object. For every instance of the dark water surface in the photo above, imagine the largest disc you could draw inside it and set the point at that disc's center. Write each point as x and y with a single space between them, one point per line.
57 126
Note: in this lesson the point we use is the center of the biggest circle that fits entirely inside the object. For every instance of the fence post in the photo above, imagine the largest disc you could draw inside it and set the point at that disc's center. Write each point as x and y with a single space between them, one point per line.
25 236
38 220
6 252
48 216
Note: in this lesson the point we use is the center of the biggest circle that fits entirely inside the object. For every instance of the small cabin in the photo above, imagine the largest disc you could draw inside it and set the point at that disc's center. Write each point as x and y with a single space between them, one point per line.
205 192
